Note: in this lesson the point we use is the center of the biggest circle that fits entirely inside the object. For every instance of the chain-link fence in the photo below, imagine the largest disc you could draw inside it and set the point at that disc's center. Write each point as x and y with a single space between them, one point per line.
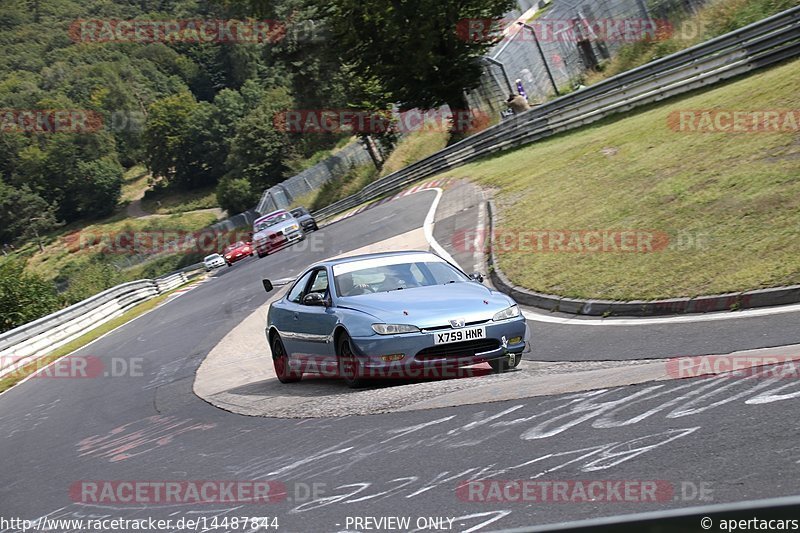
282 195
563 39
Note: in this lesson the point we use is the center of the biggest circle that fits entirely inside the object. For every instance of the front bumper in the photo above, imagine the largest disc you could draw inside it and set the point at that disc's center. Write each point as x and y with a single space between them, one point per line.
279 240
237 257
419 351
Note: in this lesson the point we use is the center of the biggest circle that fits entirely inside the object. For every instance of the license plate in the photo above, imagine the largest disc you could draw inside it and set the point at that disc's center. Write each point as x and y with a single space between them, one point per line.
459 335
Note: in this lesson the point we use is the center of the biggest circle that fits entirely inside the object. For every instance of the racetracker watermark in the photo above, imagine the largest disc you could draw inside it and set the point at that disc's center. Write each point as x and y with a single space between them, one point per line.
174 242
354 121
735 121
73 367
50 121
394 366
582 491
177 31
563 241
150 492
735 366
617 30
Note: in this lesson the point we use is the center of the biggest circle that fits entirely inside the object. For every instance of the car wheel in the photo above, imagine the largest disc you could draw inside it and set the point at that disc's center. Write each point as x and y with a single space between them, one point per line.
280 361
349 368
501 365
315 228
229 264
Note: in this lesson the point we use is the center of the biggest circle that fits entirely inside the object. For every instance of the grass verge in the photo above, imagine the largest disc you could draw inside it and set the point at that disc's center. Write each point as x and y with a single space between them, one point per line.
169 201
729 202
12 379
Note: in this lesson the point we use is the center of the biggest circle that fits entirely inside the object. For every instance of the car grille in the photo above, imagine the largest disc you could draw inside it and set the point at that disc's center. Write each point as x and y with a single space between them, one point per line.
448 326
459 349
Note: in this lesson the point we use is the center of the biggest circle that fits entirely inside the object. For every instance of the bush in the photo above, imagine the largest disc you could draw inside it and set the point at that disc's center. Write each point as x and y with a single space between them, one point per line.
23 296
87 279
236 195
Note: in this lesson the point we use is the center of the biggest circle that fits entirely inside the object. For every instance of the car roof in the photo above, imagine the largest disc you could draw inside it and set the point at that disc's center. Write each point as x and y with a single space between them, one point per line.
341 260
270 215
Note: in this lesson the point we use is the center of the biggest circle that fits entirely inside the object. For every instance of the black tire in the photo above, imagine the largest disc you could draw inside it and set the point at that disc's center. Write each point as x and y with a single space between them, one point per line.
501 365
349 369
315 228
229 264
280 361
260 255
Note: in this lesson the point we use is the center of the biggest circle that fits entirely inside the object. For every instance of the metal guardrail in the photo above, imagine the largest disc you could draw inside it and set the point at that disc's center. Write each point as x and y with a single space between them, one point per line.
36 339
760 44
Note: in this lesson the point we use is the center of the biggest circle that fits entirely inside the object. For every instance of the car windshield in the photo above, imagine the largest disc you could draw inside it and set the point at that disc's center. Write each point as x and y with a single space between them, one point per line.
234 246
271 221
212 257
374 278
300 211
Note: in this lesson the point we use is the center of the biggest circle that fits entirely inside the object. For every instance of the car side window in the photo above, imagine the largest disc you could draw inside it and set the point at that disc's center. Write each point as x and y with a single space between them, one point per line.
320 283
297 293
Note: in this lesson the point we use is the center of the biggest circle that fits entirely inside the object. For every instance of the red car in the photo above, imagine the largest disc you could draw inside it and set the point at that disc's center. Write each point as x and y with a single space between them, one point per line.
236 251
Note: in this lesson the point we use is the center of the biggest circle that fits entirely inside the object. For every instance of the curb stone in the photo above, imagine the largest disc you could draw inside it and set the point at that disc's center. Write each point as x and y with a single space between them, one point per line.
635 308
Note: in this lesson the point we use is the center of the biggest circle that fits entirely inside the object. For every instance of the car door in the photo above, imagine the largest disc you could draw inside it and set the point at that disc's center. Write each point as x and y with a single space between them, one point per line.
315 323
284 312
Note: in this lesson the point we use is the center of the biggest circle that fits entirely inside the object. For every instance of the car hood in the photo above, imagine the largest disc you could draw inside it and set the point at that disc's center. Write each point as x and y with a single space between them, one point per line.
433 306
240 249
280 226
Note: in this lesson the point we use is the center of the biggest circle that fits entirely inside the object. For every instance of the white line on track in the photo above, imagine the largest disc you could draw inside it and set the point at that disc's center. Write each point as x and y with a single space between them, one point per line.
539 316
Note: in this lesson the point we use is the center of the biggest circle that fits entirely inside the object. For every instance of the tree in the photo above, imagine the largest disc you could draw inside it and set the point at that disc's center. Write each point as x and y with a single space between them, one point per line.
415 48
24 215
101 181
167 122
259 149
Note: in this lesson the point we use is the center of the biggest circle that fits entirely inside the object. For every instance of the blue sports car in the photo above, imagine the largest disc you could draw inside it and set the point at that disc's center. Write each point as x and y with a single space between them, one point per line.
394 314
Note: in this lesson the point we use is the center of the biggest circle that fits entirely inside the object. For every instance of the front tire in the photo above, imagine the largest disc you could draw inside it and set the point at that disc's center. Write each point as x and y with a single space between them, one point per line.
502 365
280 360
349 367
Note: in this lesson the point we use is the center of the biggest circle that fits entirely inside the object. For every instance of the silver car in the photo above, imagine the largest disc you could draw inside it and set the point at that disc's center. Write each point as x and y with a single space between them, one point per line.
395 314
274 231
213 261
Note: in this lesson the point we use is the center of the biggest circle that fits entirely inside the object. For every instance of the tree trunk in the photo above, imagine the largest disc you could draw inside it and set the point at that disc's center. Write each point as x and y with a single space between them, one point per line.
461 117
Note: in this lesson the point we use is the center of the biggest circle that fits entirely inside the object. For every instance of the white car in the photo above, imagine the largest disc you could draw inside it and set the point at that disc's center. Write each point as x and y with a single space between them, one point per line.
213 261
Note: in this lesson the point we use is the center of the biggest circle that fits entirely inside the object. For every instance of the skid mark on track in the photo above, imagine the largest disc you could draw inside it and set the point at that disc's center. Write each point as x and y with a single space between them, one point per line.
137 438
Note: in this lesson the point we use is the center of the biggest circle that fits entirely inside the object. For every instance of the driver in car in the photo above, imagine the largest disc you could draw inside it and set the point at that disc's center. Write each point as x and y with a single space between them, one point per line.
348 288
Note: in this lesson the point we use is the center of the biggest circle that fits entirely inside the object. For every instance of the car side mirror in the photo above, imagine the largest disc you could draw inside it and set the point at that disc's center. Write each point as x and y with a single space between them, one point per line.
315 298
476 276
267 285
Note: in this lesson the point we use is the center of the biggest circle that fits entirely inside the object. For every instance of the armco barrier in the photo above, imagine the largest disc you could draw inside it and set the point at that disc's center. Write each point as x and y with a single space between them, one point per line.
760 44
40 337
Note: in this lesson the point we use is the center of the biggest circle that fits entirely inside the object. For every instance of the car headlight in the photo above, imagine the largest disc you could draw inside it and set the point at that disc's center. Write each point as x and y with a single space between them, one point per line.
508 312
392 329
293 227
